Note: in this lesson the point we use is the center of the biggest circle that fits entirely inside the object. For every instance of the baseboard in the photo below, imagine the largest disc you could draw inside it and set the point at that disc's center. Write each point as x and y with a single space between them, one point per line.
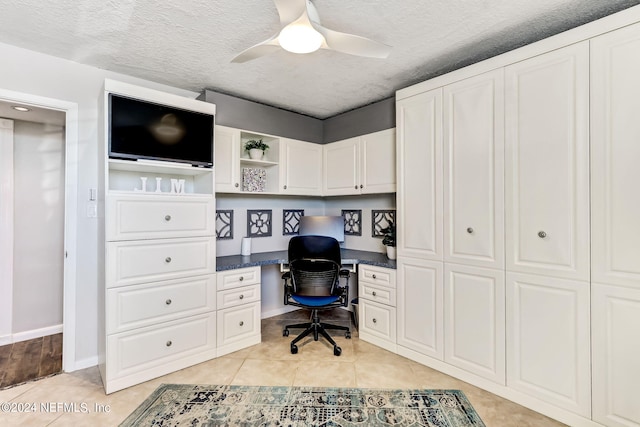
278 311
34 333
88 362
5 340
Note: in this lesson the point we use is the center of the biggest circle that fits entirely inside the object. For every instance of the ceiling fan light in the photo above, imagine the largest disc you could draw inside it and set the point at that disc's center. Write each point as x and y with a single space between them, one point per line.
299 38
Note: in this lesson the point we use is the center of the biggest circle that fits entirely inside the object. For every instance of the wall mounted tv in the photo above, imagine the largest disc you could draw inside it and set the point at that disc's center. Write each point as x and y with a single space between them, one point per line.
145 130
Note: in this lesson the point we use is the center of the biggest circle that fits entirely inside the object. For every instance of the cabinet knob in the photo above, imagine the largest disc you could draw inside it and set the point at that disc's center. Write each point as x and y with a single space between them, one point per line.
373 276
361 186
373 293
470 230
237 185
167 259
241 278
355 186
374 320
241 323
542 234
168 301
169 343
167 217
285 187
241 296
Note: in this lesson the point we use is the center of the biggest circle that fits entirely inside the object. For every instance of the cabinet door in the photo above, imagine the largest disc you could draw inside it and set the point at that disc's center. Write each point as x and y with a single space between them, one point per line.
615 150
474 170
419 196
341 167
420 306
378 162
616 352
474 330
301 167
547 163
226 145
548 345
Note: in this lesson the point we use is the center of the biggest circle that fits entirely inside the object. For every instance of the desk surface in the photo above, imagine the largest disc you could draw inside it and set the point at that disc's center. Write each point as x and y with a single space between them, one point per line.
349 256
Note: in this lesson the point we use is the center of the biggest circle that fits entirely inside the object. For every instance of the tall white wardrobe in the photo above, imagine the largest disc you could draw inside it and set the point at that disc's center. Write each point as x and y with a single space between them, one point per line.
519 223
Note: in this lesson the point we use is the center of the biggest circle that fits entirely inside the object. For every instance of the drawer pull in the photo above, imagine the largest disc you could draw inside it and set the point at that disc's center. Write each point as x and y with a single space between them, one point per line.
241 323
167 217
241 296
470 230
374 320
542 234
285 187
355 186
373 293
168 301
241 278
237 185
373 276
169 343
167 259
361 186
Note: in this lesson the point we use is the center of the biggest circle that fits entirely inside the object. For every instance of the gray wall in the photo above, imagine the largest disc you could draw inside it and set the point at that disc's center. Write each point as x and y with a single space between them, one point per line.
249 115
374 117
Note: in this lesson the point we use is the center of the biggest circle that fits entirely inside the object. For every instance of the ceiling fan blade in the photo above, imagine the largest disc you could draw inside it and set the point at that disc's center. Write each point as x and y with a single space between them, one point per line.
261 49
290 10
352 44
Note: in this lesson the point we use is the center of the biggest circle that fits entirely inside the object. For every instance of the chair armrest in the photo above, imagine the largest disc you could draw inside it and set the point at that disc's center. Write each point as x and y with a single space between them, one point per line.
344 272
286 275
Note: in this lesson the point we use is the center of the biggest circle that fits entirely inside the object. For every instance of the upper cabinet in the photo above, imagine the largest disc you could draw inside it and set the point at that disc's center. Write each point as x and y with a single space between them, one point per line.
547 163
227 159
361 165
300 167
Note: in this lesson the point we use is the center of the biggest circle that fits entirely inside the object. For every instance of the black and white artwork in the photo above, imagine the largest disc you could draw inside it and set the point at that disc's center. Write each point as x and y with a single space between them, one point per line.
259 223
352 222
291 221
224 224
380 219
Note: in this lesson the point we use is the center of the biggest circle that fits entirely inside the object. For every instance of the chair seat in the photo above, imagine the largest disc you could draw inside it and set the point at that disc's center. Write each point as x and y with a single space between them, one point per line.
315 301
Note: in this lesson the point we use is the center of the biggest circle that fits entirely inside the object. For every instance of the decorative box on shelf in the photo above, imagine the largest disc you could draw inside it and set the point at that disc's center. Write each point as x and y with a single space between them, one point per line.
254 179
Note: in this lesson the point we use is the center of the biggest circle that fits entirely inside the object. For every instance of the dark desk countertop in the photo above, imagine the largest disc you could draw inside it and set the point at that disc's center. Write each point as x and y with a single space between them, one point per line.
349 256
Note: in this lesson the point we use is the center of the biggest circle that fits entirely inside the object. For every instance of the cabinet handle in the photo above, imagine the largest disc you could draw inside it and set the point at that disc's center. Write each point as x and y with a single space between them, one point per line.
168 301
237 185
167 259
241 278
241 296
361 186
373 293
373 276
167 217
374 320
355 186
241 323
470 230
285 187
169 343
542 234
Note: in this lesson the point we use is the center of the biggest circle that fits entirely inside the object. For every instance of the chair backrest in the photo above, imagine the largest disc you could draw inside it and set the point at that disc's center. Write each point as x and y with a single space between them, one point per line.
314 262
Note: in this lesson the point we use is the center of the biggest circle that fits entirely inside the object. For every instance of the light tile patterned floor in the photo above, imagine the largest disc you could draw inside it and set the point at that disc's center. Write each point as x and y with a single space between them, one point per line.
269 363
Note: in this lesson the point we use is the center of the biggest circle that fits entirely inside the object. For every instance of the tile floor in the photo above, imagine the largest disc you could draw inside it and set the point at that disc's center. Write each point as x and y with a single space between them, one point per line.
269 363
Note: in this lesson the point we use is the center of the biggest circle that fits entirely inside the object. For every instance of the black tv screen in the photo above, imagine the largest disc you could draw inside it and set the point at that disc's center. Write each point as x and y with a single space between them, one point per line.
145 130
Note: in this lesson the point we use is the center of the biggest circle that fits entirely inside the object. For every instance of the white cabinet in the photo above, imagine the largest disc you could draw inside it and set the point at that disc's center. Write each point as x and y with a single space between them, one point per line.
474 171
360 165
419 197
615 150
300 168
420 307
238 309
227 159
548 343
377 305
616 352
474 320
547 163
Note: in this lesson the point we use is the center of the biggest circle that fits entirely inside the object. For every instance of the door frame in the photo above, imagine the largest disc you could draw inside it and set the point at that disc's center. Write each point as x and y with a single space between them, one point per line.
70 213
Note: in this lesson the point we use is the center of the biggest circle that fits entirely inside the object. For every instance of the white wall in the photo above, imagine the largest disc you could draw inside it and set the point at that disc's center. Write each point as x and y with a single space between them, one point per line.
38 226
43 75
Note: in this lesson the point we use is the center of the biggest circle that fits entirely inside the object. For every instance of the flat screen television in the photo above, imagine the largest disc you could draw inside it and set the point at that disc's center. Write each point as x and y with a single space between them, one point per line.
146 130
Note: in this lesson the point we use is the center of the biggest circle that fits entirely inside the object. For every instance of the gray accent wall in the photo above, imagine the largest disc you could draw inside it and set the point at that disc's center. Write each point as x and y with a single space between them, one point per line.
253 116
371 118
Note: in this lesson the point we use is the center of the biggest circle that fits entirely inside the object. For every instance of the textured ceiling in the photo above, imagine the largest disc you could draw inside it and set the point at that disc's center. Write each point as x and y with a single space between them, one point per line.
189 43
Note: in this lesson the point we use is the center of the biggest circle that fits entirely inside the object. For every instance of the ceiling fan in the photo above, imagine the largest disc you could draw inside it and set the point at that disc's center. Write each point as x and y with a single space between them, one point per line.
301 32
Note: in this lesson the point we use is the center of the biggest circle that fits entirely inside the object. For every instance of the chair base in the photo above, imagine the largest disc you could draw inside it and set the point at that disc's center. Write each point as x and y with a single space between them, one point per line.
317 328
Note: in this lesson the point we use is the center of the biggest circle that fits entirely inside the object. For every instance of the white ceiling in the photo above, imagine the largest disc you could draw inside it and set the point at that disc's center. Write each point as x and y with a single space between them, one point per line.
189 43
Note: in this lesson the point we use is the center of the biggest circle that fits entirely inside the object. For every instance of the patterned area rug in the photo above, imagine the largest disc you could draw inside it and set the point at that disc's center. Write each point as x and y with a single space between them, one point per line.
226 405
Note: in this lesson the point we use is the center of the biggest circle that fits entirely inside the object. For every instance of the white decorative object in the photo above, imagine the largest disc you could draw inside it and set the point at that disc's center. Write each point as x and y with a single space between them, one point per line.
158 185
391 252
254 179
177 186
256 153
245 248
144 184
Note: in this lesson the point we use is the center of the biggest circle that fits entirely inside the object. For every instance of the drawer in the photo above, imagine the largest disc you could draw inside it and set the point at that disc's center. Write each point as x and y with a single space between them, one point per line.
379 276
238 323
137 306
378 320
131 217
238 296
152 260
144 349
383 295
240 277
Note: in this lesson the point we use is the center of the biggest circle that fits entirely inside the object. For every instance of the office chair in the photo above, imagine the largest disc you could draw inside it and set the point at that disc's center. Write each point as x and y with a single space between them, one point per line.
313 282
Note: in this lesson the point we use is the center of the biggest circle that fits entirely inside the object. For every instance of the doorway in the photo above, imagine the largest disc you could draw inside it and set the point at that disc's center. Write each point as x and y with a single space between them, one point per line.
52 178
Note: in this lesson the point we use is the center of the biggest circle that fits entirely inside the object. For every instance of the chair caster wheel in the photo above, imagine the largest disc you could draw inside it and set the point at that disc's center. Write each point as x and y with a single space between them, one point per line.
294 349
347 335
337 351
285 333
